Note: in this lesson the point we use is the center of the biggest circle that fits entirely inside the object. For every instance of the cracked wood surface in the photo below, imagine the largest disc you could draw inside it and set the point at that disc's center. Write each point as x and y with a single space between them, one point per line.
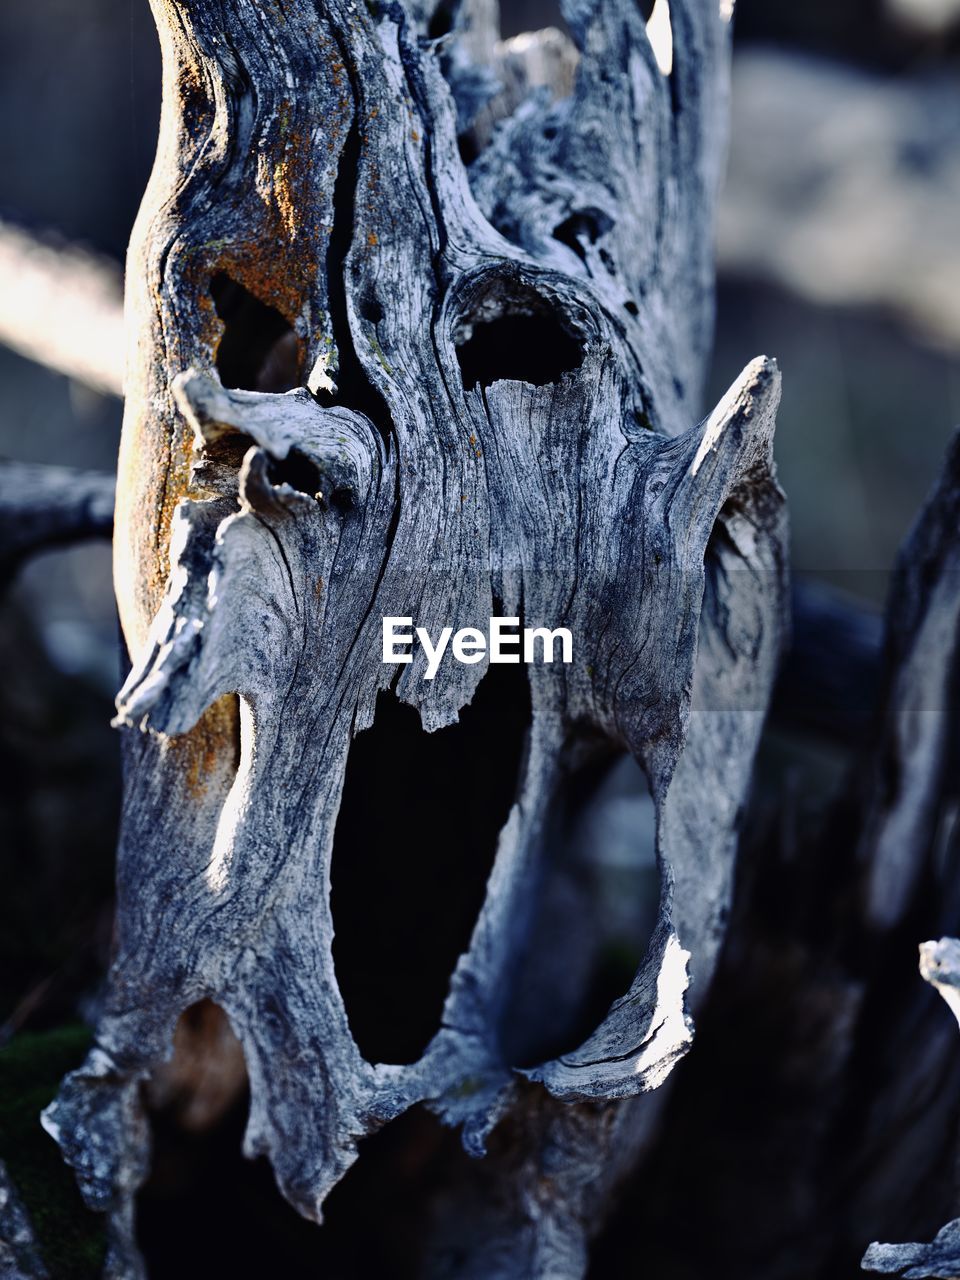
386 456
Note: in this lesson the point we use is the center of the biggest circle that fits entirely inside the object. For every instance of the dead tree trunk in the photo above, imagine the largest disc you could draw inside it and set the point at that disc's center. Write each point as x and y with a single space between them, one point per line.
418 323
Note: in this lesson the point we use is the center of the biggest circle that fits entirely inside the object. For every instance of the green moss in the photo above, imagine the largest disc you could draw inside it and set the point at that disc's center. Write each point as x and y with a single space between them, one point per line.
375 346
71 1239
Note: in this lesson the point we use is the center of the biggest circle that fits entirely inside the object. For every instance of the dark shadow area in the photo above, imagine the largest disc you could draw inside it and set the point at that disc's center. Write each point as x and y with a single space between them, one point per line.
726 1187
258 350
583 226
355 388
441 20
517 16
298 471
414 845
596 910
59 808
231 1219
533 348
73 1243
863 31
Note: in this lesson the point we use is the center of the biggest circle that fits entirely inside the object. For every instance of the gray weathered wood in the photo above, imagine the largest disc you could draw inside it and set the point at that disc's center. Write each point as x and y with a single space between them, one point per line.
389 457
819 1109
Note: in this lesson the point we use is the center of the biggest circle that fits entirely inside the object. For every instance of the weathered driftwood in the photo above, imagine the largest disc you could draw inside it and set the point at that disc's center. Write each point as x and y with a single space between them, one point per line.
939 1260
419 323
361 385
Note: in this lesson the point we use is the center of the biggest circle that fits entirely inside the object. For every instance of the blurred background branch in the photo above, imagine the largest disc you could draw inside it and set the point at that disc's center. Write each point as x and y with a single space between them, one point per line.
63 307
46 506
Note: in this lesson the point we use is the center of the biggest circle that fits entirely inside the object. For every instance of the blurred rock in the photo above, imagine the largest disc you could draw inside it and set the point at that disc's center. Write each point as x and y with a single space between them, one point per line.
844 188
867 33
865 418
929 16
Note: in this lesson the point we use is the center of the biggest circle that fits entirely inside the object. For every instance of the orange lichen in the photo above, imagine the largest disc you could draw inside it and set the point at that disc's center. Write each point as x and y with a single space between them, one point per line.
176 487
210 751
189 81
276 212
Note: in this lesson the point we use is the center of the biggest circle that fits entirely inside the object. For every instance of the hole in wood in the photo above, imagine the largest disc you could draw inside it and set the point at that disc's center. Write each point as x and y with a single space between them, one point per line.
441 20
468 148
583 227
415 841
301 473
394 1184
516 336
371 310
207 1211
597 909
258 350
199 1177
207 1073
298 472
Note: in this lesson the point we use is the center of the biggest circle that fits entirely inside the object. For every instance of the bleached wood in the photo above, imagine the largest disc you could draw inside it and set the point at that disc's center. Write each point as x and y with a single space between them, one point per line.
312 157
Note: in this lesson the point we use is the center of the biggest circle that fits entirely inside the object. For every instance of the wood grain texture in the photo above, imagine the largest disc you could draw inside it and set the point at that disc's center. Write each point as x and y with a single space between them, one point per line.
482 398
